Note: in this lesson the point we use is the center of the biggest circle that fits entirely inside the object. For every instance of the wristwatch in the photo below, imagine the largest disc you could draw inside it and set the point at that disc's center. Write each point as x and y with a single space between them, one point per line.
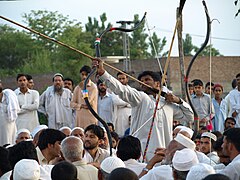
145 169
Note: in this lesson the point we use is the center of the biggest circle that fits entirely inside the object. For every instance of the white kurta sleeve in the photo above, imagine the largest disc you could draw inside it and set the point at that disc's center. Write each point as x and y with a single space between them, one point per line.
183 112
42 101
126 93
35 102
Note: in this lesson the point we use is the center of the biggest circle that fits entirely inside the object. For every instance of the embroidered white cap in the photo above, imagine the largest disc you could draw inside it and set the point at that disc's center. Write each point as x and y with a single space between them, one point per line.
37 129
200 171
210 135
111 163
26 169
184 159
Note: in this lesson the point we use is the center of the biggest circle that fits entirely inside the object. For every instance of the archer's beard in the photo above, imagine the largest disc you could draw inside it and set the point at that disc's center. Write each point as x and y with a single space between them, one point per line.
90 146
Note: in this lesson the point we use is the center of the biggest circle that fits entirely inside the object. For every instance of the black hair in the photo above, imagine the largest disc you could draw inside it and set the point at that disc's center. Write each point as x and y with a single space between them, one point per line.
229 118
111 124
4 162
115 135
238 75
218 144
64 171
120 73
233 135
217 133
197 82
49 136
69 79
129 147
234 83
156 76
208 84
216 176
190 85
20 75
95 129
85 68
29 77
22 150
122 173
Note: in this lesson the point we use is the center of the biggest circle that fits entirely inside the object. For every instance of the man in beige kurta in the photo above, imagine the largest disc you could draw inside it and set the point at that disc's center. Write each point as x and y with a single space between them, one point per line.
83 115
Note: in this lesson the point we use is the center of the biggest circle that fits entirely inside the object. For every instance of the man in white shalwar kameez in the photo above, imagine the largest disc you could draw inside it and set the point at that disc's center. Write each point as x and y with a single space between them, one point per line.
28 101
55 104
143 103
234 97
8 114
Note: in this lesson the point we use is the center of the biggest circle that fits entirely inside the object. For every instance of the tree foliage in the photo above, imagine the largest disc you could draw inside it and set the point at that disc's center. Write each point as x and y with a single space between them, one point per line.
189 49
158 44
16 48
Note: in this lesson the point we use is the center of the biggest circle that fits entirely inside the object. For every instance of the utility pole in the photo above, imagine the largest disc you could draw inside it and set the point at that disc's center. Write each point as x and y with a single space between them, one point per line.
126 49
181 55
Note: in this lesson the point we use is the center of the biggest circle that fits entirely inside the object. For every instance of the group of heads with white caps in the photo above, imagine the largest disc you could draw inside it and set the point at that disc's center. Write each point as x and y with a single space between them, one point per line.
186 159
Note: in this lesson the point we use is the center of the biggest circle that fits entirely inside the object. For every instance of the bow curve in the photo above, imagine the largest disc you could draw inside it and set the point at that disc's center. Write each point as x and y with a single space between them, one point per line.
196 118
98 55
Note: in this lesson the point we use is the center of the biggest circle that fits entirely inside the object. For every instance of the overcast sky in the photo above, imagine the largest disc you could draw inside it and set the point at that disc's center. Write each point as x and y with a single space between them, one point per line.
160 16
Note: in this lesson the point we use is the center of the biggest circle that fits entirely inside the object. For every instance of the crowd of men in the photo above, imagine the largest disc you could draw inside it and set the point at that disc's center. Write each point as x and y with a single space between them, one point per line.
149 142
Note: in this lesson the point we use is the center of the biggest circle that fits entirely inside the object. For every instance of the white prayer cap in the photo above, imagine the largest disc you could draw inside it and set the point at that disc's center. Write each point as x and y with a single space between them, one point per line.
23 130
111 163
184 159
209 135
179 127
200 171
78 128
65 127
185 141
58 74
26 169
37 129
188 130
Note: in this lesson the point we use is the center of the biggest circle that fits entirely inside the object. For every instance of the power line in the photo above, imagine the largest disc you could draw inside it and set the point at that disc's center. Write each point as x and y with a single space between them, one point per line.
197 35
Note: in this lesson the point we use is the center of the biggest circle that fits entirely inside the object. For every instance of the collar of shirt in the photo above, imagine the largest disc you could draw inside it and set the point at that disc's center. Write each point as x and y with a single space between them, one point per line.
237 158
79 163
41 158
203 94
19 92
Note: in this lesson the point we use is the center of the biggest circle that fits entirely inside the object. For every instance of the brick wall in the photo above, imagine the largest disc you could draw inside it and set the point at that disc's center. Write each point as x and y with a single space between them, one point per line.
224 69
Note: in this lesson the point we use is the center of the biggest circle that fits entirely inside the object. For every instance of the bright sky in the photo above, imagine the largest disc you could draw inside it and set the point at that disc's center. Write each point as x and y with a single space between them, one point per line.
160 15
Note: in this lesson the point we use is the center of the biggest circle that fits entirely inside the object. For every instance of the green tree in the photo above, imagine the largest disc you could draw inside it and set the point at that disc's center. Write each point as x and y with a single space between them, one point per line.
138 42
188 47
111 42
16 48
49 23
75 37
159 45
206 51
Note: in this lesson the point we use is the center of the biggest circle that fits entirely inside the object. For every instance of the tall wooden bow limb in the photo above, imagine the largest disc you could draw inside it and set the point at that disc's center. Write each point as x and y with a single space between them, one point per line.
196 118
181 5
